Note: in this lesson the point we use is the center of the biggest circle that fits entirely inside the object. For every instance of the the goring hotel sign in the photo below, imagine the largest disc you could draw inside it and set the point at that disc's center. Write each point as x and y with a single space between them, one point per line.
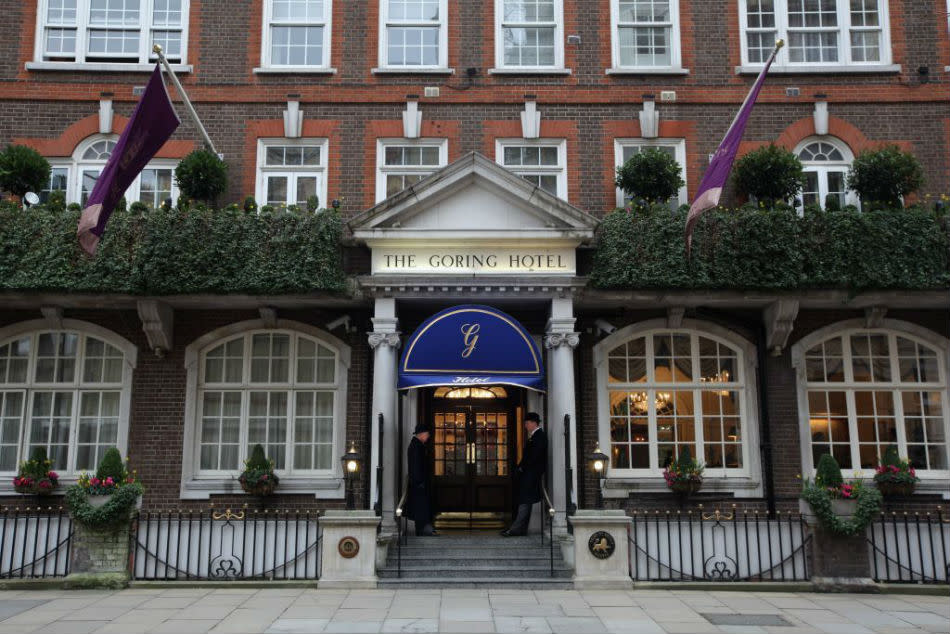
481 260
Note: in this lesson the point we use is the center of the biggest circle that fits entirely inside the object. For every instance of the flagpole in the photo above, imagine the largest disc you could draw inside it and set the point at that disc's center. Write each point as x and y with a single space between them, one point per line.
157 48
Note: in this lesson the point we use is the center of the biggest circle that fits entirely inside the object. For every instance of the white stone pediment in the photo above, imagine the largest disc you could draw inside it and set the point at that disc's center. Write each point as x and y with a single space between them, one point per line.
474 199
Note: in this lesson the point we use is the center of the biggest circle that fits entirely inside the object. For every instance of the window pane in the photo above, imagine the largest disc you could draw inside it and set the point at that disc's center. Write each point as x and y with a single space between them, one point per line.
413 46
298 10
413 10
643 46
528 11
276 193
297 45
14 358
11 422
828 422
528 46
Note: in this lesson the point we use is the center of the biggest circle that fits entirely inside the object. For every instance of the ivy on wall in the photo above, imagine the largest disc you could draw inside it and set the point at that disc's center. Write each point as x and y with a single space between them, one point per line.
164 252
751 249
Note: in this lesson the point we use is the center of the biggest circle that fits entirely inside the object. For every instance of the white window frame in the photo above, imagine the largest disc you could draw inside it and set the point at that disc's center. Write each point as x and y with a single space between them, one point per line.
382 170
676 61
267 65
76 165
822 168
742 482
197 484
263 171
501 67
385 23
844 64
77 387
931 480
560 171
679 152
146 58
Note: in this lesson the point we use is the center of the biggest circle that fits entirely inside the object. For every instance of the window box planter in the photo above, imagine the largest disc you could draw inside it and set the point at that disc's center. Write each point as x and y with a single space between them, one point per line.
896 489
686 487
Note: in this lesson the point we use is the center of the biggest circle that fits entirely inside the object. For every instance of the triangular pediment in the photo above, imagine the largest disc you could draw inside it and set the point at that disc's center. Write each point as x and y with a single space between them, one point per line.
474 198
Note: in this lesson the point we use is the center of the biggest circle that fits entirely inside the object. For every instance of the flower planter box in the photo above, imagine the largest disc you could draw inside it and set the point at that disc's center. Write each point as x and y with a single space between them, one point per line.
686 487
896 489
261 489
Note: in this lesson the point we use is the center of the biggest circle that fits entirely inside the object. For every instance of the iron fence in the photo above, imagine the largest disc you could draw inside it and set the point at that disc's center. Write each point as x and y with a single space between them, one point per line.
910 548
34 542
717 546
226 545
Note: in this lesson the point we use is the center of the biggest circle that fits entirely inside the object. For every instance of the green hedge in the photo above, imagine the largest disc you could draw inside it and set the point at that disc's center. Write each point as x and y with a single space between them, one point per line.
170 252
774 250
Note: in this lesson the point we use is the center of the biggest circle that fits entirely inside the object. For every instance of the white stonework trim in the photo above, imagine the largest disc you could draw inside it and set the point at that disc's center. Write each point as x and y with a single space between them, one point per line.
129 355
101 67
158 320
930 483
827 69
194 487
744 482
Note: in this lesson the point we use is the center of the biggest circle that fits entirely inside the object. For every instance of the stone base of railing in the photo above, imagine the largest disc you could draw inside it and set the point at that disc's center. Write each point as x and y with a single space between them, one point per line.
99 558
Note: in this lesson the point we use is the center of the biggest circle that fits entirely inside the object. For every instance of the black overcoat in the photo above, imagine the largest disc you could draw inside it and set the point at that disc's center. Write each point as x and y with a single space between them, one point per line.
418 505
533 465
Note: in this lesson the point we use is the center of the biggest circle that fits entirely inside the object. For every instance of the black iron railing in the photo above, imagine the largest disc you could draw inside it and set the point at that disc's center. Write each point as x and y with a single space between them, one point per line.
402 527
717 546
910 547
224 545
378 506
548 507
34 542
570 506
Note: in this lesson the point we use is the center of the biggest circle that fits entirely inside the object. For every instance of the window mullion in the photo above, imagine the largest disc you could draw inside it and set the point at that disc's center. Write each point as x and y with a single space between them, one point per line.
899 424
844 33
243 429
73 432
855 445
289 453
653 430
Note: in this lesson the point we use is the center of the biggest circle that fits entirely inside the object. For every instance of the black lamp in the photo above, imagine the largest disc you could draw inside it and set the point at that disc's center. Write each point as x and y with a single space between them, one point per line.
599 462
351 467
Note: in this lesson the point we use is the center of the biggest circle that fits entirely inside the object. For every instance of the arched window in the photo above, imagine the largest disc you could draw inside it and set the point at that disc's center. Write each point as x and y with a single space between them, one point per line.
861 390
66 390
663 391
826 161
283 388
77 175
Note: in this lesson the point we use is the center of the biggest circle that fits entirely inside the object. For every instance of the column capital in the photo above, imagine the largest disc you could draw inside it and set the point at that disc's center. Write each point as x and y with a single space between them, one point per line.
558 339
377 339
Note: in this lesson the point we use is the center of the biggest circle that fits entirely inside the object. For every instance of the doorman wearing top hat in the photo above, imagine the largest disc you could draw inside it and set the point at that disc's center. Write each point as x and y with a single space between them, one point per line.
533 465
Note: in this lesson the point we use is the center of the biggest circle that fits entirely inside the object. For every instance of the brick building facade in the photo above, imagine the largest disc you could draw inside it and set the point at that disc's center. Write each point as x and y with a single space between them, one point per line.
556 91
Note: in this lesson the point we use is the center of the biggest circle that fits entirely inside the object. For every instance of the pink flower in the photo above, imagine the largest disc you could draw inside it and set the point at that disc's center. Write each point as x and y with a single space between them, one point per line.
45 484
95 481
264 477
52 475
109 481
894 469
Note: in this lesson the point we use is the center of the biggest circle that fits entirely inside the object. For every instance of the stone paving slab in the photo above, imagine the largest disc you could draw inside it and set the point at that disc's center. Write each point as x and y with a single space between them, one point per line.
290 610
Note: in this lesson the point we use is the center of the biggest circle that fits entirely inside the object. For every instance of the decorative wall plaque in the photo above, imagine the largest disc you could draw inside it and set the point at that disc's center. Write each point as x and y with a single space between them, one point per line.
601 545
349 547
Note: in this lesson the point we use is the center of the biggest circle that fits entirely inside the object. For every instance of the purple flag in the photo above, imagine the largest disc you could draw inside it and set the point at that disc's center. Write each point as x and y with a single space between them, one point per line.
152 123
710 189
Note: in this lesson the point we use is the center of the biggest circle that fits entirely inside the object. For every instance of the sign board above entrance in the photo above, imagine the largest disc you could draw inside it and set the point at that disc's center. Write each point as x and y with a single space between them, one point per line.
488 260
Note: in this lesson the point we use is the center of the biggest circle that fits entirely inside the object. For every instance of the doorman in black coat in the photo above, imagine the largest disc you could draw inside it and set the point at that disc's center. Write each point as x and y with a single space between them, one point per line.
418 505
533 465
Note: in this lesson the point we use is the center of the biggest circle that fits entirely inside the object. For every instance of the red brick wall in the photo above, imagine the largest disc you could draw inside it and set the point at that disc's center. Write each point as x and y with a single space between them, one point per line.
225 46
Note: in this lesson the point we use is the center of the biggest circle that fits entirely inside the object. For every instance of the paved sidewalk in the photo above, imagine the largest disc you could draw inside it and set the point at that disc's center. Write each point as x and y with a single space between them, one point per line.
283 610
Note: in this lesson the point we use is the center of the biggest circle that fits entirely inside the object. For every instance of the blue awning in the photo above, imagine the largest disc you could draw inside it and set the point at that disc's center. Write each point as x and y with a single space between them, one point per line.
471 345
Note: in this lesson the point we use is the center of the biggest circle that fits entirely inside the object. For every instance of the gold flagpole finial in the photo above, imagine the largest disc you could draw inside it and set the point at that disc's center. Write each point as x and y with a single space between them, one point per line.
157 49
778 44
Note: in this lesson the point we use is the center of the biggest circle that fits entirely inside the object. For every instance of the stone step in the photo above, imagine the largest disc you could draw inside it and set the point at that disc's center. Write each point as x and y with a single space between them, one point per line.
537 583
455 572
472 559
465 540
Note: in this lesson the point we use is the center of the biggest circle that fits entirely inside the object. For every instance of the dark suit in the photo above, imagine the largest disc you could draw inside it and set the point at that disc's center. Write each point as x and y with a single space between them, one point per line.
533 465
418 507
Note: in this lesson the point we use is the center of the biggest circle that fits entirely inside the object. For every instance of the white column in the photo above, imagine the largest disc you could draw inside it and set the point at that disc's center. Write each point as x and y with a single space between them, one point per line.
384 340
560 342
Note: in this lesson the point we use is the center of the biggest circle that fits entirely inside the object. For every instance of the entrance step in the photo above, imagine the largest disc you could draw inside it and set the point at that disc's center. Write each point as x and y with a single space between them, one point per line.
464 560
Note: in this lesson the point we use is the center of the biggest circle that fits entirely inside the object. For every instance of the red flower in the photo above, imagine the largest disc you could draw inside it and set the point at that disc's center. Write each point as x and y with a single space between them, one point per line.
52 475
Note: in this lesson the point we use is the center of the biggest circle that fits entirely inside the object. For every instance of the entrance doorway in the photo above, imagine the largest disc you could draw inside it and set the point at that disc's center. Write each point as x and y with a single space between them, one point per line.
476 437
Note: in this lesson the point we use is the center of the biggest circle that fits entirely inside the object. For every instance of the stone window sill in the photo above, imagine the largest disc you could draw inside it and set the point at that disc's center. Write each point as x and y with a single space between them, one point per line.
204 488
413 71
826 69
529 71
103 67
300 70
669 70
623 486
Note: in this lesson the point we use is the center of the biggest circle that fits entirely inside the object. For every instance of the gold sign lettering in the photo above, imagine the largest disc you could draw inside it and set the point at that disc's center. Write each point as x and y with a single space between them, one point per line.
469 338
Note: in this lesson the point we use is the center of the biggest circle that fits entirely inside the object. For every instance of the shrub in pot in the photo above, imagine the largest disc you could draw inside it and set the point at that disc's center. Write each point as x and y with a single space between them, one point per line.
105 501
22 170
684 474
844 508
883 177
201 176
258 477
770 175
895 476
35 477
651 175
